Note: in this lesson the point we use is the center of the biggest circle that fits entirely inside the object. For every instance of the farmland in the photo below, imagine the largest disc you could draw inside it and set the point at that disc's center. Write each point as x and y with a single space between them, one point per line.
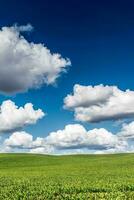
40 177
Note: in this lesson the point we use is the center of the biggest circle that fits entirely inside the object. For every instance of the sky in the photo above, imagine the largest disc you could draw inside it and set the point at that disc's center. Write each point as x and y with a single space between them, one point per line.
66 76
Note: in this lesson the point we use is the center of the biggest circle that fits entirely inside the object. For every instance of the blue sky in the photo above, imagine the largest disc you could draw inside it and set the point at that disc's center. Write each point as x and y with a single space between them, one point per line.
98 38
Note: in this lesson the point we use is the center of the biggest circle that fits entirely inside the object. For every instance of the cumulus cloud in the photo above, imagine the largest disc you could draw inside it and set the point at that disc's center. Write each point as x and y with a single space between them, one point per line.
25 65
100 103
127 131
19 139
73 138
85 96
13 117
24 140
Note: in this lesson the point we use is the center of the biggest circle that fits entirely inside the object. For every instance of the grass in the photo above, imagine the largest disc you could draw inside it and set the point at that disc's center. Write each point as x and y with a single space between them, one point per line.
40 177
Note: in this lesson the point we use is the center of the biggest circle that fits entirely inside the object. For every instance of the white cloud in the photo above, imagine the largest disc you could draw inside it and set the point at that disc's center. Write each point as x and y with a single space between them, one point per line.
5 149
102 139
127 131
86 96
39 142
13 117
100 103
25 65
73 138
24 140
19 139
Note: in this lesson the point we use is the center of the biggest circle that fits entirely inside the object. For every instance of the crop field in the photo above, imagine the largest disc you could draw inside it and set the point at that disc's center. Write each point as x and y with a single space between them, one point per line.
38 177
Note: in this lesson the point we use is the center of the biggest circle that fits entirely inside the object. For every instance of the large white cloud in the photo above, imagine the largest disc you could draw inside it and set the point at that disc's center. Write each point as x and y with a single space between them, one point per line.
76 136
13 117
73 137
85 96
100 103
25 65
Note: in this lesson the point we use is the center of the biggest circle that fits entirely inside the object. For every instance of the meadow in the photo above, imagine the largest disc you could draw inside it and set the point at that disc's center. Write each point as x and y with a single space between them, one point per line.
40 177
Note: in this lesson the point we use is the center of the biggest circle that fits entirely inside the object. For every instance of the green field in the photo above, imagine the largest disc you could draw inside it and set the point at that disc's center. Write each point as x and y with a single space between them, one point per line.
38 177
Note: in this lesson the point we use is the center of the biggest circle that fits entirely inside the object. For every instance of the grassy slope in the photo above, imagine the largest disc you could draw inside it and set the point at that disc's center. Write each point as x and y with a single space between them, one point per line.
33 177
